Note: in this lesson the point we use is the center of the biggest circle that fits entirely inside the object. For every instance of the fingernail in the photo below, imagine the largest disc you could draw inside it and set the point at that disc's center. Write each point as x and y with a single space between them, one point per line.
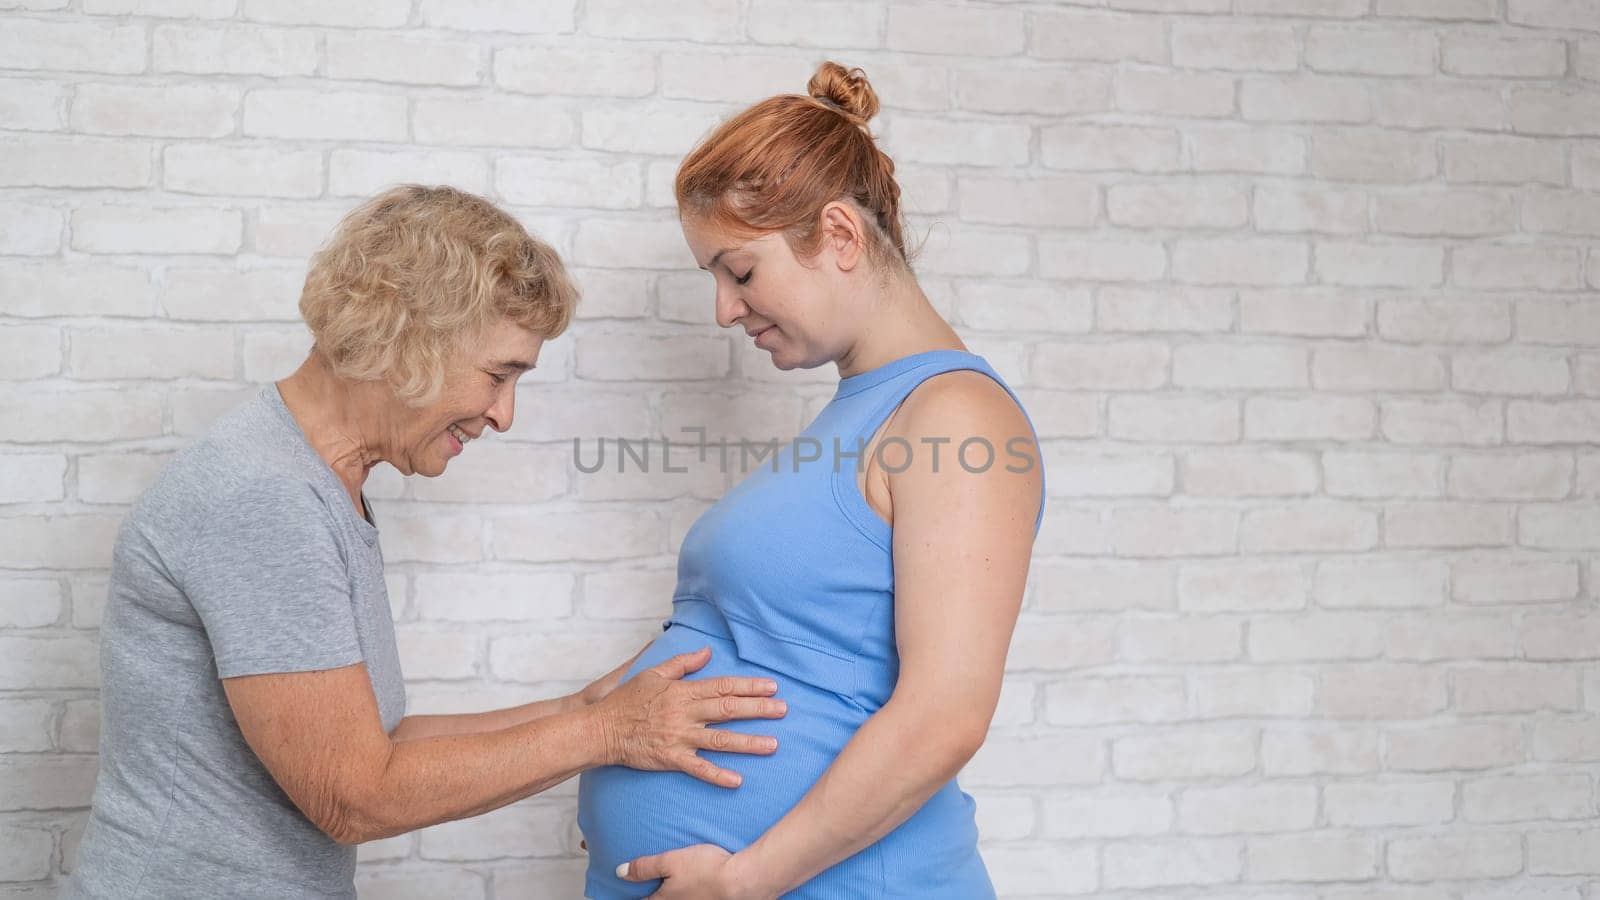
771 687
622 870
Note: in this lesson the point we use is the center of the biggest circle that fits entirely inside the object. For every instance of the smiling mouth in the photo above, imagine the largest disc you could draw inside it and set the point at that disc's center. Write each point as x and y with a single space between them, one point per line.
458 434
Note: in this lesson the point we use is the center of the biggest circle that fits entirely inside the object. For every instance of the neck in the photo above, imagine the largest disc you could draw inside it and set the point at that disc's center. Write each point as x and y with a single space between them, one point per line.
340 420
901 322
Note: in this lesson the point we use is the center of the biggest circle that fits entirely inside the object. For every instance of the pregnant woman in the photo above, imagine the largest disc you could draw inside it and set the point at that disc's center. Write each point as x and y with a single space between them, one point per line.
874 572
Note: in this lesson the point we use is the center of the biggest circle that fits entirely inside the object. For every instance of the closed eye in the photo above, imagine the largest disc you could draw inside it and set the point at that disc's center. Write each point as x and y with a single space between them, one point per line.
745 278
497 378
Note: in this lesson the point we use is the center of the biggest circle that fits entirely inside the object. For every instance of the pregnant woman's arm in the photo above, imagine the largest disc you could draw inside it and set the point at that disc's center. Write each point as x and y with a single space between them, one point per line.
962 542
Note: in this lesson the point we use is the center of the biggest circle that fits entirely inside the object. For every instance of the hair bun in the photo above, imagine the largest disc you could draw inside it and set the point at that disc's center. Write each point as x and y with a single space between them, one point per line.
845 88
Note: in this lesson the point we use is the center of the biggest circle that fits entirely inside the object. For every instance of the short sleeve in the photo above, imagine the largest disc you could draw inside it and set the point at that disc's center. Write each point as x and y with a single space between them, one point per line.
268 577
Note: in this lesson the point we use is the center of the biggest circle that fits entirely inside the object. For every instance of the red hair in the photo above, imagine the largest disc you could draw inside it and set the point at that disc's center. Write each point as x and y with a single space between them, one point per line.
775 165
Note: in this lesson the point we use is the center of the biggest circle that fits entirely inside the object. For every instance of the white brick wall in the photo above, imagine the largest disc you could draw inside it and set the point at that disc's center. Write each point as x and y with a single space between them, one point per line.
1301 294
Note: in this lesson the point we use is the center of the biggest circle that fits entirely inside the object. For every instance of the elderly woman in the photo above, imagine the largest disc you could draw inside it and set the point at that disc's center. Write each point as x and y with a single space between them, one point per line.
254 725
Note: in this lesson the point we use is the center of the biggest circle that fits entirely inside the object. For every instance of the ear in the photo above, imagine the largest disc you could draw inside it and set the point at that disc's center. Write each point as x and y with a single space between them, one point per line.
844 232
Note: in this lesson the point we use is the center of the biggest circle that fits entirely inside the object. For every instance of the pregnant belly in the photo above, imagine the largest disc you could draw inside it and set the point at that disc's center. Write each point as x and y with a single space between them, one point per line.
625 813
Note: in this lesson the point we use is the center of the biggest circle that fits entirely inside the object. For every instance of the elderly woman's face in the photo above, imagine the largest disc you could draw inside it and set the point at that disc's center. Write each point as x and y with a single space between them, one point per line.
479 392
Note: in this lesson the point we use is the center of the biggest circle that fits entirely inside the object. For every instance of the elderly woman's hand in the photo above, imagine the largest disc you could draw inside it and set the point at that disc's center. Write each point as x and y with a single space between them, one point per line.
656 721
598 689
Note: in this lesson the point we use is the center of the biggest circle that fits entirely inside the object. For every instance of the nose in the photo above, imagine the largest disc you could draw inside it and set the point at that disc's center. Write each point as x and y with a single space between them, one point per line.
730 307
503 409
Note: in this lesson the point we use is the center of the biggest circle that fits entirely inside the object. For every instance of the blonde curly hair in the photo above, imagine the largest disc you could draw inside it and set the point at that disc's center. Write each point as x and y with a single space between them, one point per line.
413 274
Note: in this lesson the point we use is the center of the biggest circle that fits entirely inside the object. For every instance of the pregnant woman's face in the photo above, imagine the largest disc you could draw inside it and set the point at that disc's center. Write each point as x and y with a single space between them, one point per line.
787 306
479 392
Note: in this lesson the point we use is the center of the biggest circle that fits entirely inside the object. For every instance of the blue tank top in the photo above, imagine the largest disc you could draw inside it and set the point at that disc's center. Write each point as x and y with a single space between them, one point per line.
791 576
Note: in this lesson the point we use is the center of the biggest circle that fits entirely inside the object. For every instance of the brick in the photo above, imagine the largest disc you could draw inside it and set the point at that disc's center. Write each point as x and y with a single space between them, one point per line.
153 353
1178 640
645 244
662 129
1368 474
1377 368
1492 581
60 662
1503 161
1317 311
362 57
235 50
1479 691
1059 760
1561 212
1558 527
1503 57
80 415
171 111
1057 35
1435 106
504 16
1097 587
1235 365
72 46
1114 811
1314 209
1451 213
1297 418
1039 200
1102 475
1302 749
1458 855
1373 805
361 173
949 142
521 830
1311 857
1077 259
34 602
27 105
1247 809
1372 157
1241 586
1247 473
329 115
1033 308
1321 527
127 229
1574 14
1108 147
171 9
966 250
1176 206
1566 740
1428 637
730 78
956 30
1379 265
1442 422
1102 701
1487 10
1234 47
1252 694
1056 645
74 162
1552 112
1511 372
118 477
1184 753
586 535
1249 151
232 295
548 70
1139 309
1036 91
1257 261
1173 93
1447 525
1171 862
1517 267
1445 321
816 24
700 20
1306 100
1380 584
1370 51
1316 636
1176 418
1564 852
1337 9
360 14
1144 532
1441 748
241 171
1550 321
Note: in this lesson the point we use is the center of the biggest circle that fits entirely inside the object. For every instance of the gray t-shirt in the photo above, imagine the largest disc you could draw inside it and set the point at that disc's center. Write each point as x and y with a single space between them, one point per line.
245 556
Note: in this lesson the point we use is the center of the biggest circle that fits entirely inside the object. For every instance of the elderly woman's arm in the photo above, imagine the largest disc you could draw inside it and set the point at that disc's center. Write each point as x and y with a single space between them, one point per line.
414 727
961 546
319 735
